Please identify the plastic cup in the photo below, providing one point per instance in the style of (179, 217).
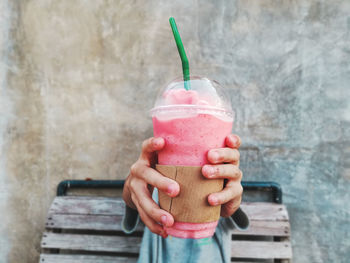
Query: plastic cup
(191, 122)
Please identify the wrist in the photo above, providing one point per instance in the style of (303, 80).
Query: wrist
(127, 195)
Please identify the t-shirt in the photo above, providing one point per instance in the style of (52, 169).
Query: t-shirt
(157, 249)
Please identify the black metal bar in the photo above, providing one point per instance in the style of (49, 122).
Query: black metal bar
(274, 187)
(63, 186)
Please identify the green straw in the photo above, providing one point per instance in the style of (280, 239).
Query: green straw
(182, 53)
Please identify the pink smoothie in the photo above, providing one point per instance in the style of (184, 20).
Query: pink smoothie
(188, 138)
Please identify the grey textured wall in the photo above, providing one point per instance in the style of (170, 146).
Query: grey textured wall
(77, 79)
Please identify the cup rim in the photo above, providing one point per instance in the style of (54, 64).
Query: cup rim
(204, 109)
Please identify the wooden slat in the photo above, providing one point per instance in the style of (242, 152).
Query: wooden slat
(87, 205)
(261, 249)
(265, 228)
(113, 208)
(59, 258)
(265, 211)
(98, 243)
(86, 222)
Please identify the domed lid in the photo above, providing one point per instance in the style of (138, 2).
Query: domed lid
(201, 96)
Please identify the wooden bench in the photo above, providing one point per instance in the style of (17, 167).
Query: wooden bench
(87, 229)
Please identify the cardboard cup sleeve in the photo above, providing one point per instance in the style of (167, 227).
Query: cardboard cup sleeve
(191, 205)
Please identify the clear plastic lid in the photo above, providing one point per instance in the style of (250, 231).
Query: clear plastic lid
(203, 96)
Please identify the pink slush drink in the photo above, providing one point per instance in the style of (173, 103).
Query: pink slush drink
(191, 124)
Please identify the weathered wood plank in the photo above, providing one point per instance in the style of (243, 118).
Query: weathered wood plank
(265, 211)
(87, 205)
(86, 222)
(76, 207)
(261, 249)
(265, 228)
(98, 243)
(59, 258)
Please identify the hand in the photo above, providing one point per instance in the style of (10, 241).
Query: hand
(138, 188)
(225, 164)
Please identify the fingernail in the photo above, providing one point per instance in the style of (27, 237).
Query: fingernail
(214, 200)
(171, 189)
(157, 141)
(214, 156)
(234, 140)
(163, 219)
(210, 171)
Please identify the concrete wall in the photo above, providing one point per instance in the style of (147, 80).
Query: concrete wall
(78, 77)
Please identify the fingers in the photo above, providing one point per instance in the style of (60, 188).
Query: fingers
(223, 155)
(226, 171)
(153, 178)
(229, 154)
(140, 184)
(230, 207)
(232, 190)
(150, 223)
(150, 213)
(153, 210)
(150, 146)
(233, 141)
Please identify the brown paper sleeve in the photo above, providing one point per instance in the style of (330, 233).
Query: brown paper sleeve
(191, 205)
